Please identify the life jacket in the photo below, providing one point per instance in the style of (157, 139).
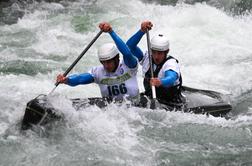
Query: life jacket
(165, 95)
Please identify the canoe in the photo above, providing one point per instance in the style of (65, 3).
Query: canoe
(39, 111)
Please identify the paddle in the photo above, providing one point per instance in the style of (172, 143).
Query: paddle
(153, 101)
(77, 60)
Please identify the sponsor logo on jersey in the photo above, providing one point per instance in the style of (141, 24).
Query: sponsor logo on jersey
(116, 80)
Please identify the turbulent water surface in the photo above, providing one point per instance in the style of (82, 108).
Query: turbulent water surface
(39, 39)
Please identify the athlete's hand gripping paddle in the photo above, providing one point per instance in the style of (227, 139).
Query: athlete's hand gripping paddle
(77, 60)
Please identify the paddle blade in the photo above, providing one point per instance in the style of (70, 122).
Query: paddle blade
(38, 111)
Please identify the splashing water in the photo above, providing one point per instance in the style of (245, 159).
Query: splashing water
(213, 48)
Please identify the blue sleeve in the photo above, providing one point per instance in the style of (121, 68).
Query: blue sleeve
(84, 78)
(128, 57)
(132, 44)
(170, 78)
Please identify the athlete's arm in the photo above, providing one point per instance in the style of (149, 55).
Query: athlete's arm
(85, 78)
(134, 40)
(132, 44)
(169, 78)
(128, 57)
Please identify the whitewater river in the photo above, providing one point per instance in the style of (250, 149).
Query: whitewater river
(214, 48)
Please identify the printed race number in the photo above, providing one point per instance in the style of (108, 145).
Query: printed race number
(117, 89)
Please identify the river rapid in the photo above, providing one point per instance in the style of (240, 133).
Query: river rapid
(40, 39)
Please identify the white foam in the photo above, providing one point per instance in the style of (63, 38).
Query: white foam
(214, 50)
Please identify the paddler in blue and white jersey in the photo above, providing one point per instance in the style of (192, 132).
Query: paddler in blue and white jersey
(167, 76)
(116, 79)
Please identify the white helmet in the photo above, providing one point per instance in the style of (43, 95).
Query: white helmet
(107, 51)
(160, 43)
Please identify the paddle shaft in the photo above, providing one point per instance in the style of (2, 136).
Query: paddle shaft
(79, 57)
(151, 64)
